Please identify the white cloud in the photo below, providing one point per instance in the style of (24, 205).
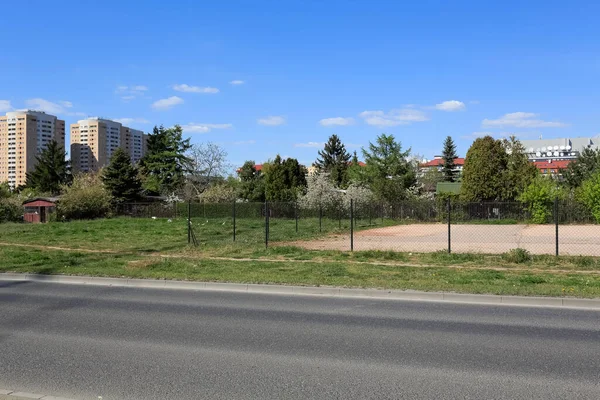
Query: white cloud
(204, 128)
(404, 116)
(45, 105)
(237, 82)
(194, 89)
(521, 120)
(5, 105)
(310, 144)
(499, 135)
(339, 121)
(131, 92)
(126, 121)
(451, 105)
(66, 104)
(271, 120)
(244, 142)
(77, 114)
(165, 104)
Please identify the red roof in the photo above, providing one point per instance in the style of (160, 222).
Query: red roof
(555, 164)
(438, 162)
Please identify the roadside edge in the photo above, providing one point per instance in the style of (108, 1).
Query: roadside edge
(565, 302)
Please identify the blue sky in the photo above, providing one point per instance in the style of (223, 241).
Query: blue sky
(268, 77)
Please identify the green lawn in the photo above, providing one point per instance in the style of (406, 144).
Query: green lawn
(147, 248)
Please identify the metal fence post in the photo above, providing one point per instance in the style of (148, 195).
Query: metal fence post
(320, 217)
(189, 224)
(351, 225)
(296, 215)
(234, 220)
(556, 223)
(266, 224)
(449, 207)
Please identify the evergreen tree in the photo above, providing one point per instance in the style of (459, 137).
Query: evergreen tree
(520, 172)
(165, 163)
(284, 179)
(387, 170)
(333, 159)
(449, 155)
(582, 168)
(483, 177)
(121, 178)
(252, 187)
(52, 170)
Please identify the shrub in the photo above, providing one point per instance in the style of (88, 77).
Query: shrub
(86, 198)
(589, 195)
(539, 197)
(321, 192)
(11, 210)
(219, 193)
(517, 256)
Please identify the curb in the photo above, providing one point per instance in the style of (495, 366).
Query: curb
(14, 395)
(566, 302)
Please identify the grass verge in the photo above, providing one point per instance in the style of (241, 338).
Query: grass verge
(293, 272)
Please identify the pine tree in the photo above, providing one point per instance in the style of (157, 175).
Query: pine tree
(388, 170)
(120, 178)
(333, 159)
(52, 170)
(165, 164)
(449, 155)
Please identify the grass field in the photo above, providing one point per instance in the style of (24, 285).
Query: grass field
(147, 248)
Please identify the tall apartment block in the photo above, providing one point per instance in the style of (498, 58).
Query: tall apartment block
(94, 140)
(23, 135)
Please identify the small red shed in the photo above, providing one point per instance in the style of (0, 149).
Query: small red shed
(37, 210)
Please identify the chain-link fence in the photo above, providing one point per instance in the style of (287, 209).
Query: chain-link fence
(559, 227)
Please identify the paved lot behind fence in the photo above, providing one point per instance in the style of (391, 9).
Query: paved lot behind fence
(492, 239)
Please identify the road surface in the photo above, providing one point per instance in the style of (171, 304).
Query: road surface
(121, 343)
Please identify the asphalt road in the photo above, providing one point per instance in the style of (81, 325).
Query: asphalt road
(121, 343)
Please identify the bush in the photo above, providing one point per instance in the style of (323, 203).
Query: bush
(517, 256)
(539, 197)
(321, 192)
(11, 210)
(589, 195)
(86, 198)
(219, 193)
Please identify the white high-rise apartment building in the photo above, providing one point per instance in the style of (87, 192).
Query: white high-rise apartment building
(23, 135)
(94, 140)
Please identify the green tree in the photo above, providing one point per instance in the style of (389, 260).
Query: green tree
(583, 167)
(284, 179)
(539, 196)
(333, 160)
(520, 172)
(165, 164)
(589, 195)
(86, 198)
(388, 171)
(5, 190)
(449, 155)
(121, 178)
(52, 170)
(252, 183)
(356, 172)
(483, 173)
(430, 178)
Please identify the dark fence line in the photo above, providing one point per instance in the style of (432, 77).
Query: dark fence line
(401, 223)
